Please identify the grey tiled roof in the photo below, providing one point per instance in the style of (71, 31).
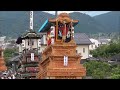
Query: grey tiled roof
(81, 38)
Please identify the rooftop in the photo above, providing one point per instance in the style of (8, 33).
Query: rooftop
(82, 38)
(31, 34)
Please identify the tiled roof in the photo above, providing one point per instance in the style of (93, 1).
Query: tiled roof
(81, 38)
(31, 34)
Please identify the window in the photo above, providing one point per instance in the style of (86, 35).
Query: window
(83, 50)
(28, 43)
(32, 42)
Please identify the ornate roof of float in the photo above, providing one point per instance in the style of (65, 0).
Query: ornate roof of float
(62, 18)
(31, 34)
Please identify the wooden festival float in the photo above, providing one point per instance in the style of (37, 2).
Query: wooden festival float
(29, 47)
(60, 59)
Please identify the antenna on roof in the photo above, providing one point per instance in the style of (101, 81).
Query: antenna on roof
(31, 20)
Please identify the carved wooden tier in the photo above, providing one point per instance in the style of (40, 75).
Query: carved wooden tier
(52, 64)
(2, 65)
(2, 62)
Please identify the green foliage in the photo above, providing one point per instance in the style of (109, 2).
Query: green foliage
(98, 74)
(97, 70)
(101, 70)
(8, 53)
(114, 76)
(115, 72)
(106, 50)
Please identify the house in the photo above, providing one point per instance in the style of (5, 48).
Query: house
(104, 41)
(29, 40)
(94, 44)
(82, 41)
(43, 42)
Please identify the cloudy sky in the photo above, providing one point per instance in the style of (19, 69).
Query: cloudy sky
(91, 13)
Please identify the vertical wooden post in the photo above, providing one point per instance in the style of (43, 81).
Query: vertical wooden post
(71, 30)
(64, 33)
(56, 29)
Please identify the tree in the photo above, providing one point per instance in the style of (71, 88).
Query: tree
(106, 51)
(98, 70)
(115, 72)
(115, 76)
(8, 53)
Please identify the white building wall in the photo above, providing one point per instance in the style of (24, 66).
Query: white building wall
(20, 48)
(80, 50)
(44, 39)
(94, 45)
(24, 45)
(39, 45)
(33, 46)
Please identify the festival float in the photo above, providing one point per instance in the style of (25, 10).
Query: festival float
(59, 59)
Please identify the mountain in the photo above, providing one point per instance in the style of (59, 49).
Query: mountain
(15, 23)
(87, 24)
(110, 20)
